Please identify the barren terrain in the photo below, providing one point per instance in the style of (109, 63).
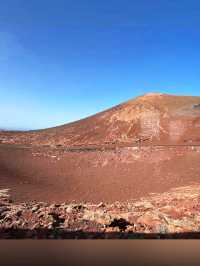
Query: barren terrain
(150, 144)
(56, 175)
(152, 118)
(173, 214)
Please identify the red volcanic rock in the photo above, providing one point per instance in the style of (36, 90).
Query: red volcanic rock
(150, 216)
(149, 219)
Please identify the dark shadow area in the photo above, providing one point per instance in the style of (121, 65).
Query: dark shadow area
(121, 223)
(196, 106)
(63, 234)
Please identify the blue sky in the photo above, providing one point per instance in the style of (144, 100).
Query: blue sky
(64, 60)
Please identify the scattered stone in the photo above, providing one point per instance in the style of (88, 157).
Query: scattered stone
(3, 209)
(35, 208)
(176, 211)
(101, 205)
(69, 209)
(19, 213)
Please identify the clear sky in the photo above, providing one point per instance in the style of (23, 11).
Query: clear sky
(67, 59)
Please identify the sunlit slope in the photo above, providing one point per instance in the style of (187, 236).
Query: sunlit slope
(152, 118)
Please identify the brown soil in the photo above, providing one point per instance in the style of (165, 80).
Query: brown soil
(55, 175)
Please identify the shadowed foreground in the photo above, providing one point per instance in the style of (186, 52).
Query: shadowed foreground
(60, 234)
(173, 214)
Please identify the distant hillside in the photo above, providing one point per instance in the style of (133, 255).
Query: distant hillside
(152, 118)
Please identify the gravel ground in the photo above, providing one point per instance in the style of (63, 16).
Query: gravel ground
(173, 214)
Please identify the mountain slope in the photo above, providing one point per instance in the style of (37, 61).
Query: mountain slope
(151, 118)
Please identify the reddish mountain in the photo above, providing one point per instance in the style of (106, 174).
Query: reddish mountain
(152, 118)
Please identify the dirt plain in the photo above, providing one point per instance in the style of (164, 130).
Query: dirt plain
(56, 175)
